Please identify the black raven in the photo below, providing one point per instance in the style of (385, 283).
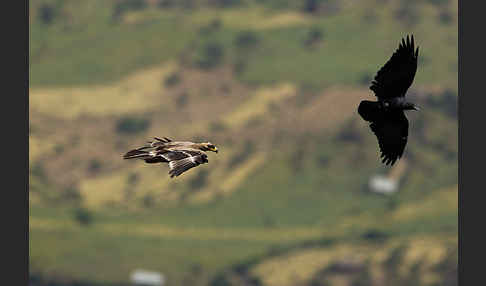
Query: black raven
(386, 116)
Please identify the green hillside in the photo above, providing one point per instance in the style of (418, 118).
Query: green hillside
(275, 85)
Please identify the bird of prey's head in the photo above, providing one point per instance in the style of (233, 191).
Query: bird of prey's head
(209, 147)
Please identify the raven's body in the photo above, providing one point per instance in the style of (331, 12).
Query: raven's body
(386, 116)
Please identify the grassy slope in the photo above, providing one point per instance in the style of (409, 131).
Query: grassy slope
(268, 202)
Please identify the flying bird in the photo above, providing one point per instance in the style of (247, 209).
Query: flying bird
(180, 155)
(386, 116)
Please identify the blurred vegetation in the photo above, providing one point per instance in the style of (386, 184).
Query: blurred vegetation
(132, 125)
(275, 85)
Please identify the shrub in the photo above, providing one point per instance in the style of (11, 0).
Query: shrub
(148, 201)
(365, 78)
(239, 66)
(200, 180)
(246, 40)
(173, 79)
(445, 17)
(217, 126)
(58, 149)
(446, 102)
(375, 235)
(166, 3)
(210, 56)
(121, 7)
(407, 14)
(182, 100)
(71, 194)
(38, 170)
(314, 36)
(242, 155)
(225, 3)
(213, 26)
(83, 216)
(47, 13)
(132, 179)
(311, 6)
(94, 165)
(132, 125)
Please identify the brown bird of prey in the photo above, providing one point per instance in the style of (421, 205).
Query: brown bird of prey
(386, 116)
(181, 156)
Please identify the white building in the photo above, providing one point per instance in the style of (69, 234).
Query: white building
(382, 185)
(147, 278)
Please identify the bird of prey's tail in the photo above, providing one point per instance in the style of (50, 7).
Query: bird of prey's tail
(141, 153)
(137, 154)
(148, 157)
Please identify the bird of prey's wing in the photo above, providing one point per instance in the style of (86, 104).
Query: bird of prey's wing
(178, 167)
(179, 160)
(392, 133)
(396, 76)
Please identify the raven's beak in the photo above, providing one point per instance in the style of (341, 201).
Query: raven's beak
(415, 107)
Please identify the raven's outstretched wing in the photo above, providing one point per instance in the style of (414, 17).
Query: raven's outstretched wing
(396, 76)
(392, 133)
(180, 166)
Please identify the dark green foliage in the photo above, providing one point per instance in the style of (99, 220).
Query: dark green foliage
(366, 78)
(395, 258)
(58, 149)
(375, 235)
(71, 194)
(210, 56)
(323, 160)
(173, 79)
(448, 268)
(225, 3)
(132, 125)
(124, 6)
(166, 3)
(445, 17)
(311, 6)
(212, 27)
(200, 180)
(363, 278)
(217, 126)
(313, 37)
(239, 66)
(47, 13)
(407, 13)
(351, 132)
(133, 179)
(182, 99)
(38, 170)
(220, 280)
(148, 201)
(446, 102)
(243, 154)
(246, 40)
(94, 166)
(83, 216)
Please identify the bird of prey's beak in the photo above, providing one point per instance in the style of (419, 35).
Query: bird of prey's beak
(216, 149)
